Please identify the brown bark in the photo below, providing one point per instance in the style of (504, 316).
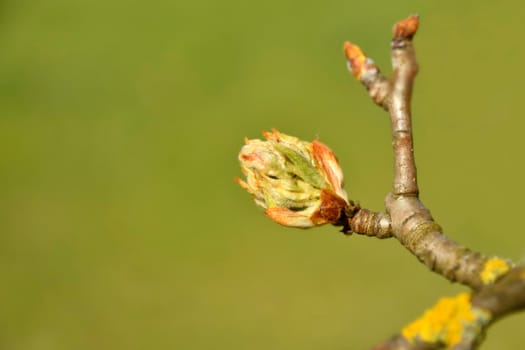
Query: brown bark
(408, 220)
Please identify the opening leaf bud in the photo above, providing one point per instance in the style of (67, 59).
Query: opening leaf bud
(298, 183)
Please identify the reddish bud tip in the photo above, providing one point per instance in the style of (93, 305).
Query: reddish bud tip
(356, 59)
(406, 28)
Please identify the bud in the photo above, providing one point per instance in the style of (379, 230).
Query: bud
(300, 184)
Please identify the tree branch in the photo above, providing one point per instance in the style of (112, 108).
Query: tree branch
(460, 323)
(300, 184)
(411, 221)
(405, 70)
(498, 287)
(369, 223)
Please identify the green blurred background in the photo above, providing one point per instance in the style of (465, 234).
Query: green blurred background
(121, 226)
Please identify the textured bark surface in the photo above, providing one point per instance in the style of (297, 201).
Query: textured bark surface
(498, 288)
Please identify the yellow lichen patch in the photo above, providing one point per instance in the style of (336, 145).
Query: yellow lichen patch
(493, 268)
(445, 322)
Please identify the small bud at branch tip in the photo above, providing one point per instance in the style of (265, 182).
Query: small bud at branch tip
(358, 63)
(406, 28)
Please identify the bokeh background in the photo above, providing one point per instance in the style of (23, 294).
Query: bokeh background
(121, 226)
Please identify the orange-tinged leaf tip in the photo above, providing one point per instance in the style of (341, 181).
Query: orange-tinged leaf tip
(329, 163)
(287, 217)
(242, 183)
(271, 135)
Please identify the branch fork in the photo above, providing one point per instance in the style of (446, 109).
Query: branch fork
(498, 287)
(300, 184)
